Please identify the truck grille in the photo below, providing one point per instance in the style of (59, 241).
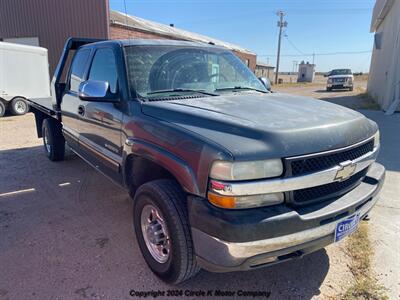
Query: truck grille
(339, 80)
(321, 162)
(326, 191)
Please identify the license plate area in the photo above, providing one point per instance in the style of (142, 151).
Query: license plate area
(346, 227)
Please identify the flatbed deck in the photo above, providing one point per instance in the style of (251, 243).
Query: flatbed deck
(44, 105)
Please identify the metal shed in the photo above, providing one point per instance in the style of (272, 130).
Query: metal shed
(384, 75)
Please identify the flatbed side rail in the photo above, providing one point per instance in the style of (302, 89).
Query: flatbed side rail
(46, 110)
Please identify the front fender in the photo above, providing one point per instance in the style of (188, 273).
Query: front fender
(183, 173)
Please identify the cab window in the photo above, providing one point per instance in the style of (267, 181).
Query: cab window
(104, 68)
(78, 69)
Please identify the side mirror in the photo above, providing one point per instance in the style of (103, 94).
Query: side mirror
(96, 91)
(265, 81)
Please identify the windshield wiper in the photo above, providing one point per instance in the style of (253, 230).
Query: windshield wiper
(238, 88)
(182, 90)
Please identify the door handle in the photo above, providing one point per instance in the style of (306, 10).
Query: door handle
(81, 110)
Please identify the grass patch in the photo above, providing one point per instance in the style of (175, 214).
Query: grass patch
(365, 285)
(368, 102)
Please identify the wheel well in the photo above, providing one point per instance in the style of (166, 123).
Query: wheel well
(139, 170)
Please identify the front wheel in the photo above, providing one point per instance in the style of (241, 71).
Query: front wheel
(162, 230)
(19, 106)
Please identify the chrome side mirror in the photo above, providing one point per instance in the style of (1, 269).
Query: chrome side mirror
(265, 81)
(96, 91)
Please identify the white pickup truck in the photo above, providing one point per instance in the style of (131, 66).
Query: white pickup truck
(340, 79)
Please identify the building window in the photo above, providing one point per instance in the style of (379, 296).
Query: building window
(378, 40)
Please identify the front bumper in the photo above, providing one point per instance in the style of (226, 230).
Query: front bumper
(227, 241)
(342, 85)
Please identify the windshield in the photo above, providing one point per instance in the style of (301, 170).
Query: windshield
(166, 70)
(340, 72)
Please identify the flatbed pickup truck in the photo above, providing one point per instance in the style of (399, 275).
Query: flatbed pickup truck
(224, 175)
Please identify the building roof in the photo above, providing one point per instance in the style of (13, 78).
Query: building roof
(381, 9)
(133, 22)
(265, 65)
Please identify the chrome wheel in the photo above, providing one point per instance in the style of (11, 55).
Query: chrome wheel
(20, 106)
(46, 141)
(155, 233)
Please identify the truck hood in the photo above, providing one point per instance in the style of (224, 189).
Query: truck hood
(259, 126)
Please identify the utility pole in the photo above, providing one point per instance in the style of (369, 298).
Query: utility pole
(313, 58)
(281, 25)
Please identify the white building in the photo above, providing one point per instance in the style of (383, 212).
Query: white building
(306, 72)
(384, 75)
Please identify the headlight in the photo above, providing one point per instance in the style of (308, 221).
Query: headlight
(247, 170)
(330, 80)
(242, 202)
(377, 139)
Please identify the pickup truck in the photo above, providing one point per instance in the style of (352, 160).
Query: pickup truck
(340, 79)
(224, 175)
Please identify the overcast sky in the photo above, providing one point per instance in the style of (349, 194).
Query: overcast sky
(337, 31)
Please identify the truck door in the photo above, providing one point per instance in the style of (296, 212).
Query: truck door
(70, 100)
(100, 129)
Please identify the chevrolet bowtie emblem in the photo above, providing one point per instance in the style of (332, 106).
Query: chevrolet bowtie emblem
(347, 169)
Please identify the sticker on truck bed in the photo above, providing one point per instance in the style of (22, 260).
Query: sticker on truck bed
(346, 227)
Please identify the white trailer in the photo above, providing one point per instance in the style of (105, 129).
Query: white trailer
(24, 74)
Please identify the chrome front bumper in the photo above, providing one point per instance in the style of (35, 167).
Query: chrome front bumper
(221, 256)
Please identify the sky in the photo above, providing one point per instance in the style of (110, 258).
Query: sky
(337, 31)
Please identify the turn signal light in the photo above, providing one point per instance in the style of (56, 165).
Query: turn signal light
(222, 201)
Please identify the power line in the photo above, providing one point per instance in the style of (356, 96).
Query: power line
(293, 45)
(318, 54)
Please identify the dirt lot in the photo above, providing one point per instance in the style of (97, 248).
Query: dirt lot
(66, 233)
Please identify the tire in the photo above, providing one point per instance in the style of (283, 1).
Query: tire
(351, 89)
(172, 231)
(19, 106)
(53, 140)
(328, 89)
(2, 108)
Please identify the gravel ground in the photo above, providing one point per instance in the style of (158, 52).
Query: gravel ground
(66, 233)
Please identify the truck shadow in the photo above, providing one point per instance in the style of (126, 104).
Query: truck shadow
(70, 205)
(297, 279)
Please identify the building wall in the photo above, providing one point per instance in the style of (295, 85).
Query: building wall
(53, 21)
(252, 59)
(384, 75)
(120, 32)
(262, 71)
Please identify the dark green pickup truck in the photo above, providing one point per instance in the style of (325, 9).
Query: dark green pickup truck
(224, 175)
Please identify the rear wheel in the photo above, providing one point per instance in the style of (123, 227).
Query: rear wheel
(2, 108)
(53, 140)
(163, 232)
(19, 106)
